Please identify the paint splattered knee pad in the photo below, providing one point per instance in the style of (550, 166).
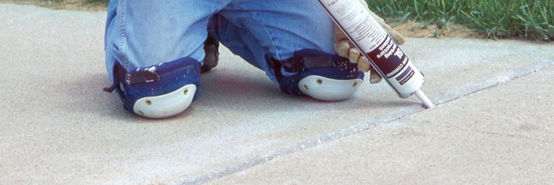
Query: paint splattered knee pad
(317, 74)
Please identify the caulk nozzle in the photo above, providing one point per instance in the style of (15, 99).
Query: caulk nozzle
(419, 93)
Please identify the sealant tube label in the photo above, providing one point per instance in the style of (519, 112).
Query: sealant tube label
(376, 44)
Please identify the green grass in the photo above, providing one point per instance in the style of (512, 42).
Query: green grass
(533, 19)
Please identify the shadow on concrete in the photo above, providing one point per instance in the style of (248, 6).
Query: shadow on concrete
(221, 91)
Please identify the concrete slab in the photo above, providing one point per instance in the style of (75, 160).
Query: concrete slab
(58, 127)
(501, 135)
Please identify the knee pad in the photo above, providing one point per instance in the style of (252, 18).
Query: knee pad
(158, 91)
(317, 74)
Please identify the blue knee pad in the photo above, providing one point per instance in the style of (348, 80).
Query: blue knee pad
(148, 84)
(320, 75)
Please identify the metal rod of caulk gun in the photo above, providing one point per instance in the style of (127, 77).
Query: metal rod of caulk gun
(384, 55)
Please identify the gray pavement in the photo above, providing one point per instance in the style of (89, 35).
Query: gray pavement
(493, 123)
(483, 138)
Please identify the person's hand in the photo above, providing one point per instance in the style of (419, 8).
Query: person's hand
(345, 48)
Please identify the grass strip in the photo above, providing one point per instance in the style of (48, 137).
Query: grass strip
(532, 19)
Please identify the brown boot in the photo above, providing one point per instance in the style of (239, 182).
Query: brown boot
(211, 48)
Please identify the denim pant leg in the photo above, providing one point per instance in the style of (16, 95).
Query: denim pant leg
(143, 33)
(253, 28)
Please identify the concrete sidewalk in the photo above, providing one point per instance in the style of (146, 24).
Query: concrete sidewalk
(493, 124)
(483, 138)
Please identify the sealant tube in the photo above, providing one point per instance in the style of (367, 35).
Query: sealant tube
(386, 57)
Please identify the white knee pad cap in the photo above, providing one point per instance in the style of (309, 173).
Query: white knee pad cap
(166, 105)
(328, 89)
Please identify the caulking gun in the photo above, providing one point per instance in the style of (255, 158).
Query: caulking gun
(371, 39)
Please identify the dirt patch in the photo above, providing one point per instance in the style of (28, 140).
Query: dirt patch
(62, 4)
(433, 31)
(406, 29)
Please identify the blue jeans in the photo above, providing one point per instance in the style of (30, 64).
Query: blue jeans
(143, 33)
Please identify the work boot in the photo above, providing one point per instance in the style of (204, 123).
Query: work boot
(211, 48)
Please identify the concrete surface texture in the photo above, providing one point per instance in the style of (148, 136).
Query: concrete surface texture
(493, 124)
(483, 138)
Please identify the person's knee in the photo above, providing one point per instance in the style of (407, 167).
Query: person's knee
(157, 91)
(320, 75)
